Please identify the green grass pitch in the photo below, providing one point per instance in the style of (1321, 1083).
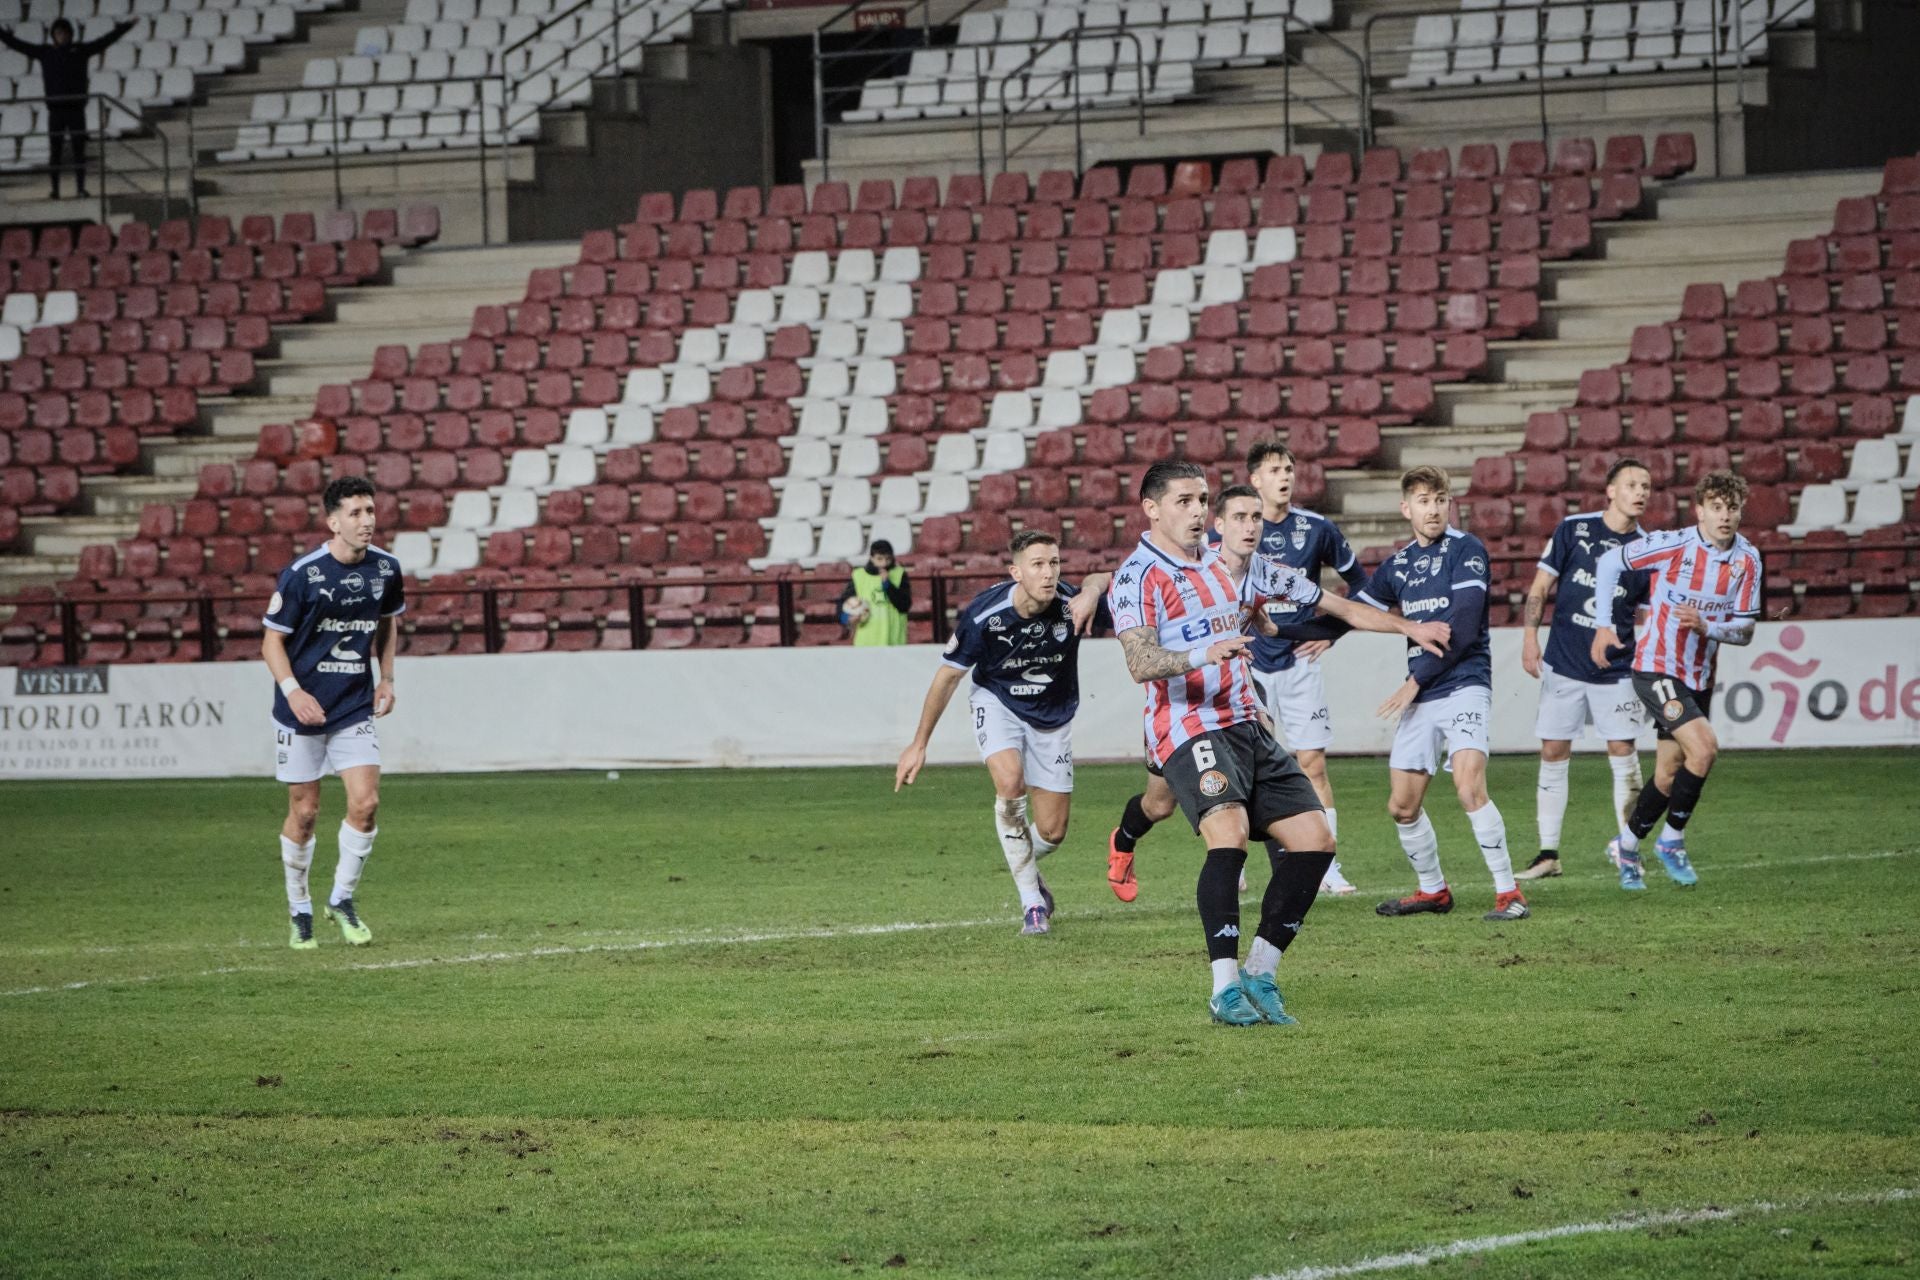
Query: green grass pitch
(780, 1024)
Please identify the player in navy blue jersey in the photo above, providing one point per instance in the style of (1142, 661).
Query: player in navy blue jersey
(1293, 689)
(1021, 641)
(1444, 706)
(330, 620)
(1574, 692)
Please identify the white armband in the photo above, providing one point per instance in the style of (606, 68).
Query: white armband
(289, 686)
(1197, 658)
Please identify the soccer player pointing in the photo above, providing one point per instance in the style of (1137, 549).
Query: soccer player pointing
(330, 618)
(1705, 592)
(1181, 620)
(1021, 640)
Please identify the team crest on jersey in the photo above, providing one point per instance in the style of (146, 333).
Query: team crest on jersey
(1212, 783)
(379, 586)
(273, 605)
(1060, 632)
(1671, 708)
(1299, 537)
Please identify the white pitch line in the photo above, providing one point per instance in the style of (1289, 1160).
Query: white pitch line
(1629, 1222)
(738, 939)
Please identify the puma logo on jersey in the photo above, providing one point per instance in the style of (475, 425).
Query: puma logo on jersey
(326, 591)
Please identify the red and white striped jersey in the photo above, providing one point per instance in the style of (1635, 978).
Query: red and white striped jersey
(1191, 606)
(1689, 570)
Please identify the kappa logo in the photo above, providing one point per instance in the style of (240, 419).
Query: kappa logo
(1228, 931)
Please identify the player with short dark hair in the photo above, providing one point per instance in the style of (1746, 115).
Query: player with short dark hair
(1021, 640)
(1182, 622)
(1444, 707)
(1574, 691)
(1287, 672)
(1706, 589)
(331, 618)
(1236, 525)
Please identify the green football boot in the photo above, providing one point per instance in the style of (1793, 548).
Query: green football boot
(300, 934)
(1265, 994)
(356, 934)
(1234, 1009)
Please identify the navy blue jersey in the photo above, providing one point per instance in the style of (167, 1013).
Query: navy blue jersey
(329, 613)
(1446, 582)
(1572, 555)
(1311, 543)
(1031, 664)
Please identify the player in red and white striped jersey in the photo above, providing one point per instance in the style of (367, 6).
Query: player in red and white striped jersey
(1705, 592)
(1182, 623)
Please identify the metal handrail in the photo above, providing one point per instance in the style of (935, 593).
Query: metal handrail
(862, 50)
(789, 611)
(1066, 76)
(1360, 92)
(1728, 32)
(108, 103)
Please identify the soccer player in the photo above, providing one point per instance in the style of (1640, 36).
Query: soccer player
(1021, 640)
(1574, 690)
(1444, 705)
(1182, 620)
(1236, 525)
(331, 617)
(1705, 592)
(1288, 674)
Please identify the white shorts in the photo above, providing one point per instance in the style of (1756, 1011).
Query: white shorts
(1046, 755)
(1296, 701)
(1430, 732)
(1568, 706)
(306, 757)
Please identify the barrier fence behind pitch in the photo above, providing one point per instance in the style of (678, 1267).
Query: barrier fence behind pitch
(1847, 683)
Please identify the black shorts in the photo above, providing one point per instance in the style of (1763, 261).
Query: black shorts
(1671, 703)
(1241, 764)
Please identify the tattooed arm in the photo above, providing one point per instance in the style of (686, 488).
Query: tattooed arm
(1536, 609)
(1147, 661)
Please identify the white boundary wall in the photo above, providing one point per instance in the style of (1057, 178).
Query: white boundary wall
(1851, 683)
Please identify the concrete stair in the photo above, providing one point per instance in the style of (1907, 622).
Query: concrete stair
(430, 297)
(1712, 229)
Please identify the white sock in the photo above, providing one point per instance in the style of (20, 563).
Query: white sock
(1041, 846)
(295, 859)
(1333, 876)
(1333, 822)
(1423, 851)
(1225, 974)
(1629, 843)
(1490, 829)
(1626, 785)
(1550, 800)
(1668, 834)
(355, 847)
(1263, 958)
(1010, 820)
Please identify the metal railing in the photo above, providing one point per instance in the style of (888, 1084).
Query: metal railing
(788, 611)
(134, 170)
(865, 49)
(992, 93)
(1735, 42)
(499, 110)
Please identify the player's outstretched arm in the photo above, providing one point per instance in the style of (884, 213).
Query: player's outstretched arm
(305, 707)
(1431, 636)
(1535, 610)
(1147, 661)
(1085, 605)
(939, 693)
